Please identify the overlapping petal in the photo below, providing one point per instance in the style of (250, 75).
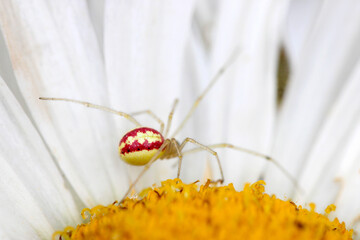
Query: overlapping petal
(244, 110)
(35, 199)
(54, 52)
(321, 108)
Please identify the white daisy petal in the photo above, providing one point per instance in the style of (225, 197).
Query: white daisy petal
(3, 236)
(300, 23)
(96, 11)
(327, 62)
(348, 172)
(144, 46)
(21, 216)
(244, 113)
(6, 71)
(35, 200)
(318, 175)
(347, 202)
(55, 53)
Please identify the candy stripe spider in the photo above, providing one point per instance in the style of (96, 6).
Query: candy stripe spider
(142, 146)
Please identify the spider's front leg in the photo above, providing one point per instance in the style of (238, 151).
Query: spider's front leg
(205, 148)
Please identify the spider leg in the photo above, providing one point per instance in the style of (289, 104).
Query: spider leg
(146, 167)
(266, 157)
(227, 145)
(179, 154)
(206, 148)
(92, 105)
(170, 117)
(221, 71)
(153, 115)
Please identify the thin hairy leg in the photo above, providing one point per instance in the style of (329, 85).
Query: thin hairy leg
(179, 154)
(92, 105)
(206, 148)
(212, 82)
(170, 117)
(153, 115)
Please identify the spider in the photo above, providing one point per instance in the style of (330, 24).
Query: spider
(142, 146)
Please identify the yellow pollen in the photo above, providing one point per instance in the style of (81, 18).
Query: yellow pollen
(185, 211)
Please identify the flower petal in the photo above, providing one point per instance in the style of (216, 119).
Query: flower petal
(96, 11)
(349, 178)
(309, 128)
(6, 71)
(54, 52)
(319, 172)
(35, 200)
(244, 111)
(300, 22)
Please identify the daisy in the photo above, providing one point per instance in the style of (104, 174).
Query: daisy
(59, 158)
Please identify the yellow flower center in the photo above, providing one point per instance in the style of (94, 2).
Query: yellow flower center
(184, 211)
